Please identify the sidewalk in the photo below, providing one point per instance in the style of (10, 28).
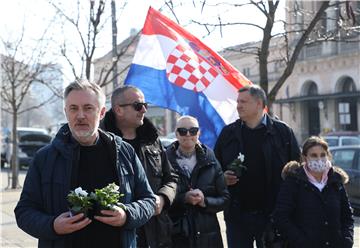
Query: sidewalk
(11, 236)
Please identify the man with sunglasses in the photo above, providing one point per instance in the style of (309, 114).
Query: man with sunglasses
(265, 145)
(127, 119)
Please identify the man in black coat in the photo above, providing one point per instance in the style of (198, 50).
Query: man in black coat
(126, 119)
(264, 145)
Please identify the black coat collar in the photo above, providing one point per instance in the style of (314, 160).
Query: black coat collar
(147, 133)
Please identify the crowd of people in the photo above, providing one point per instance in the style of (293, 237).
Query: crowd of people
(272, 192)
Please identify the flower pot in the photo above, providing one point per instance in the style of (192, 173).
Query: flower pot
(238, 170)
(74, 212)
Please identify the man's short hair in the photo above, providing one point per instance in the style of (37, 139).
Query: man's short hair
(118, 94)
(86, 85)
(255, 91)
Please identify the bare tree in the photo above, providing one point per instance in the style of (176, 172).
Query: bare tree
(89, 22)
(19, 72)
(307, 33)
(106, 73)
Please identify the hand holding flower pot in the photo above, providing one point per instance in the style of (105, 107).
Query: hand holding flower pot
(79, 202)
(237, 165)
(107, 198)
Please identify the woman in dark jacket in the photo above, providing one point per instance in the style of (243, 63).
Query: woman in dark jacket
(201, 190)
(312, 208)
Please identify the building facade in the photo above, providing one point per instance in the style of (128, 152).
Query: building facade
(323, 92)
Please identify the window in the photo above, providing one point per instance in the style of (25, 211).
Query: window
(343, 158)
(246, 71)
(332, 141)
(347, 141)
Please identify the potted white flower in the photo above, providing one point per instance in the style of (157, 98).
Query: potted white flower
(107, 198)
(79, 201)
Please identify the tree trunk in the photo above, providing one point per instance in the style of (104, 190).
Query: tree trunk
(88, 68)
(114, 43)
(263, 53)
(14, 154)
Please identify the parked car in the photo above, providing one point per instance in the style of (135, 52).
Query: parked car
(166, 141)
(29, 141)
(5, 132)
(348, 158)
(344, 138)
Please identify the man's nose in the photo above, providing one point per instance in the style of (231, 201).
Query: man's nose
(80, 114)
(143, 109)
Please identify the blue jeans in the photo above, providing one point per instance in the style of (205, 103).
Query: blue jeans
(242, 228)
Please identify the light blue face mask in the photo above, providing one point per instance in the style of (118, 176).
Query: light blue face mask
(319, 165)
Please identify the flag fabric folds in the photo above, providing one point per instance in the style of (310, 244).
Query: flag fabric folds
(177, 71)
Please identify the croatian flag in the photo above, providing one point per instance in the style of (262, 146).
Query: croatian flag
(175, 70)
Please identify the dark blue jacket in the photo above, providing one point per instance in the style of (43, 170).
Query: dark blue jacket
(311, 218)
(48, 182)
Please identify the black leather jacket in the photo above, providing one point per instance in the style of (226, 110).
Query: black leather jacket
(160, 174)
(280, 146)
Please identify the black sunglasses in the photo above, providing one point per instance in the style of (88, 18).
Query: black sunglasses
(136, 105)
(183, 131)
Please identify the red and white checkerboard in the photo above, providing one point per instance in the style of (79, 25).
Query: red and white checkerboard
(188, 70)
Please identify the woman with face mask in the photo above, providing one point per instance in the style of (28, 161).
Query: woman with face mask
(312, 207)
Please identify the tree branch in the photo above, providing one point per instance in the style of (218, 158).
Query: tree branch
(287, 72)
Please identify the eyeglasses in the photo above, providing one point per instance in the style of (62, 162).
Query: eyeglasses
(138, 106)
(183, 131)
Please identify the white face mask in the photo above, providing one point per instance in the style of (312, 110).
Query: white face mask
(319, 165)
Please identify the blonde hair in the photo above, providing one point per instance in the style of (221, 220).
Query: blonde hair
(187, 117)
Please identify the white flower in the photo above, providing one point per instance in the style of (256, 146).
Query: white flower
(116, 188)
(241, 157)
(80, 192)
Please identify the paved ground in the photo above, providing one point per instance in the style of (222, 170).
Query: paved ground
(12, 236)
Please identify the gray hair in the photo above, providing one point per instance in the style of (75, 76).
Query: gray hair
(118, 94)
(255, 91)
(86, 85)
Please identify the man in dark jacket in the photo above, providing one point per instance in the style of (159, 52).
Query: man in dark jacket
(81, 155)
(264, 145)
(126, 119)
